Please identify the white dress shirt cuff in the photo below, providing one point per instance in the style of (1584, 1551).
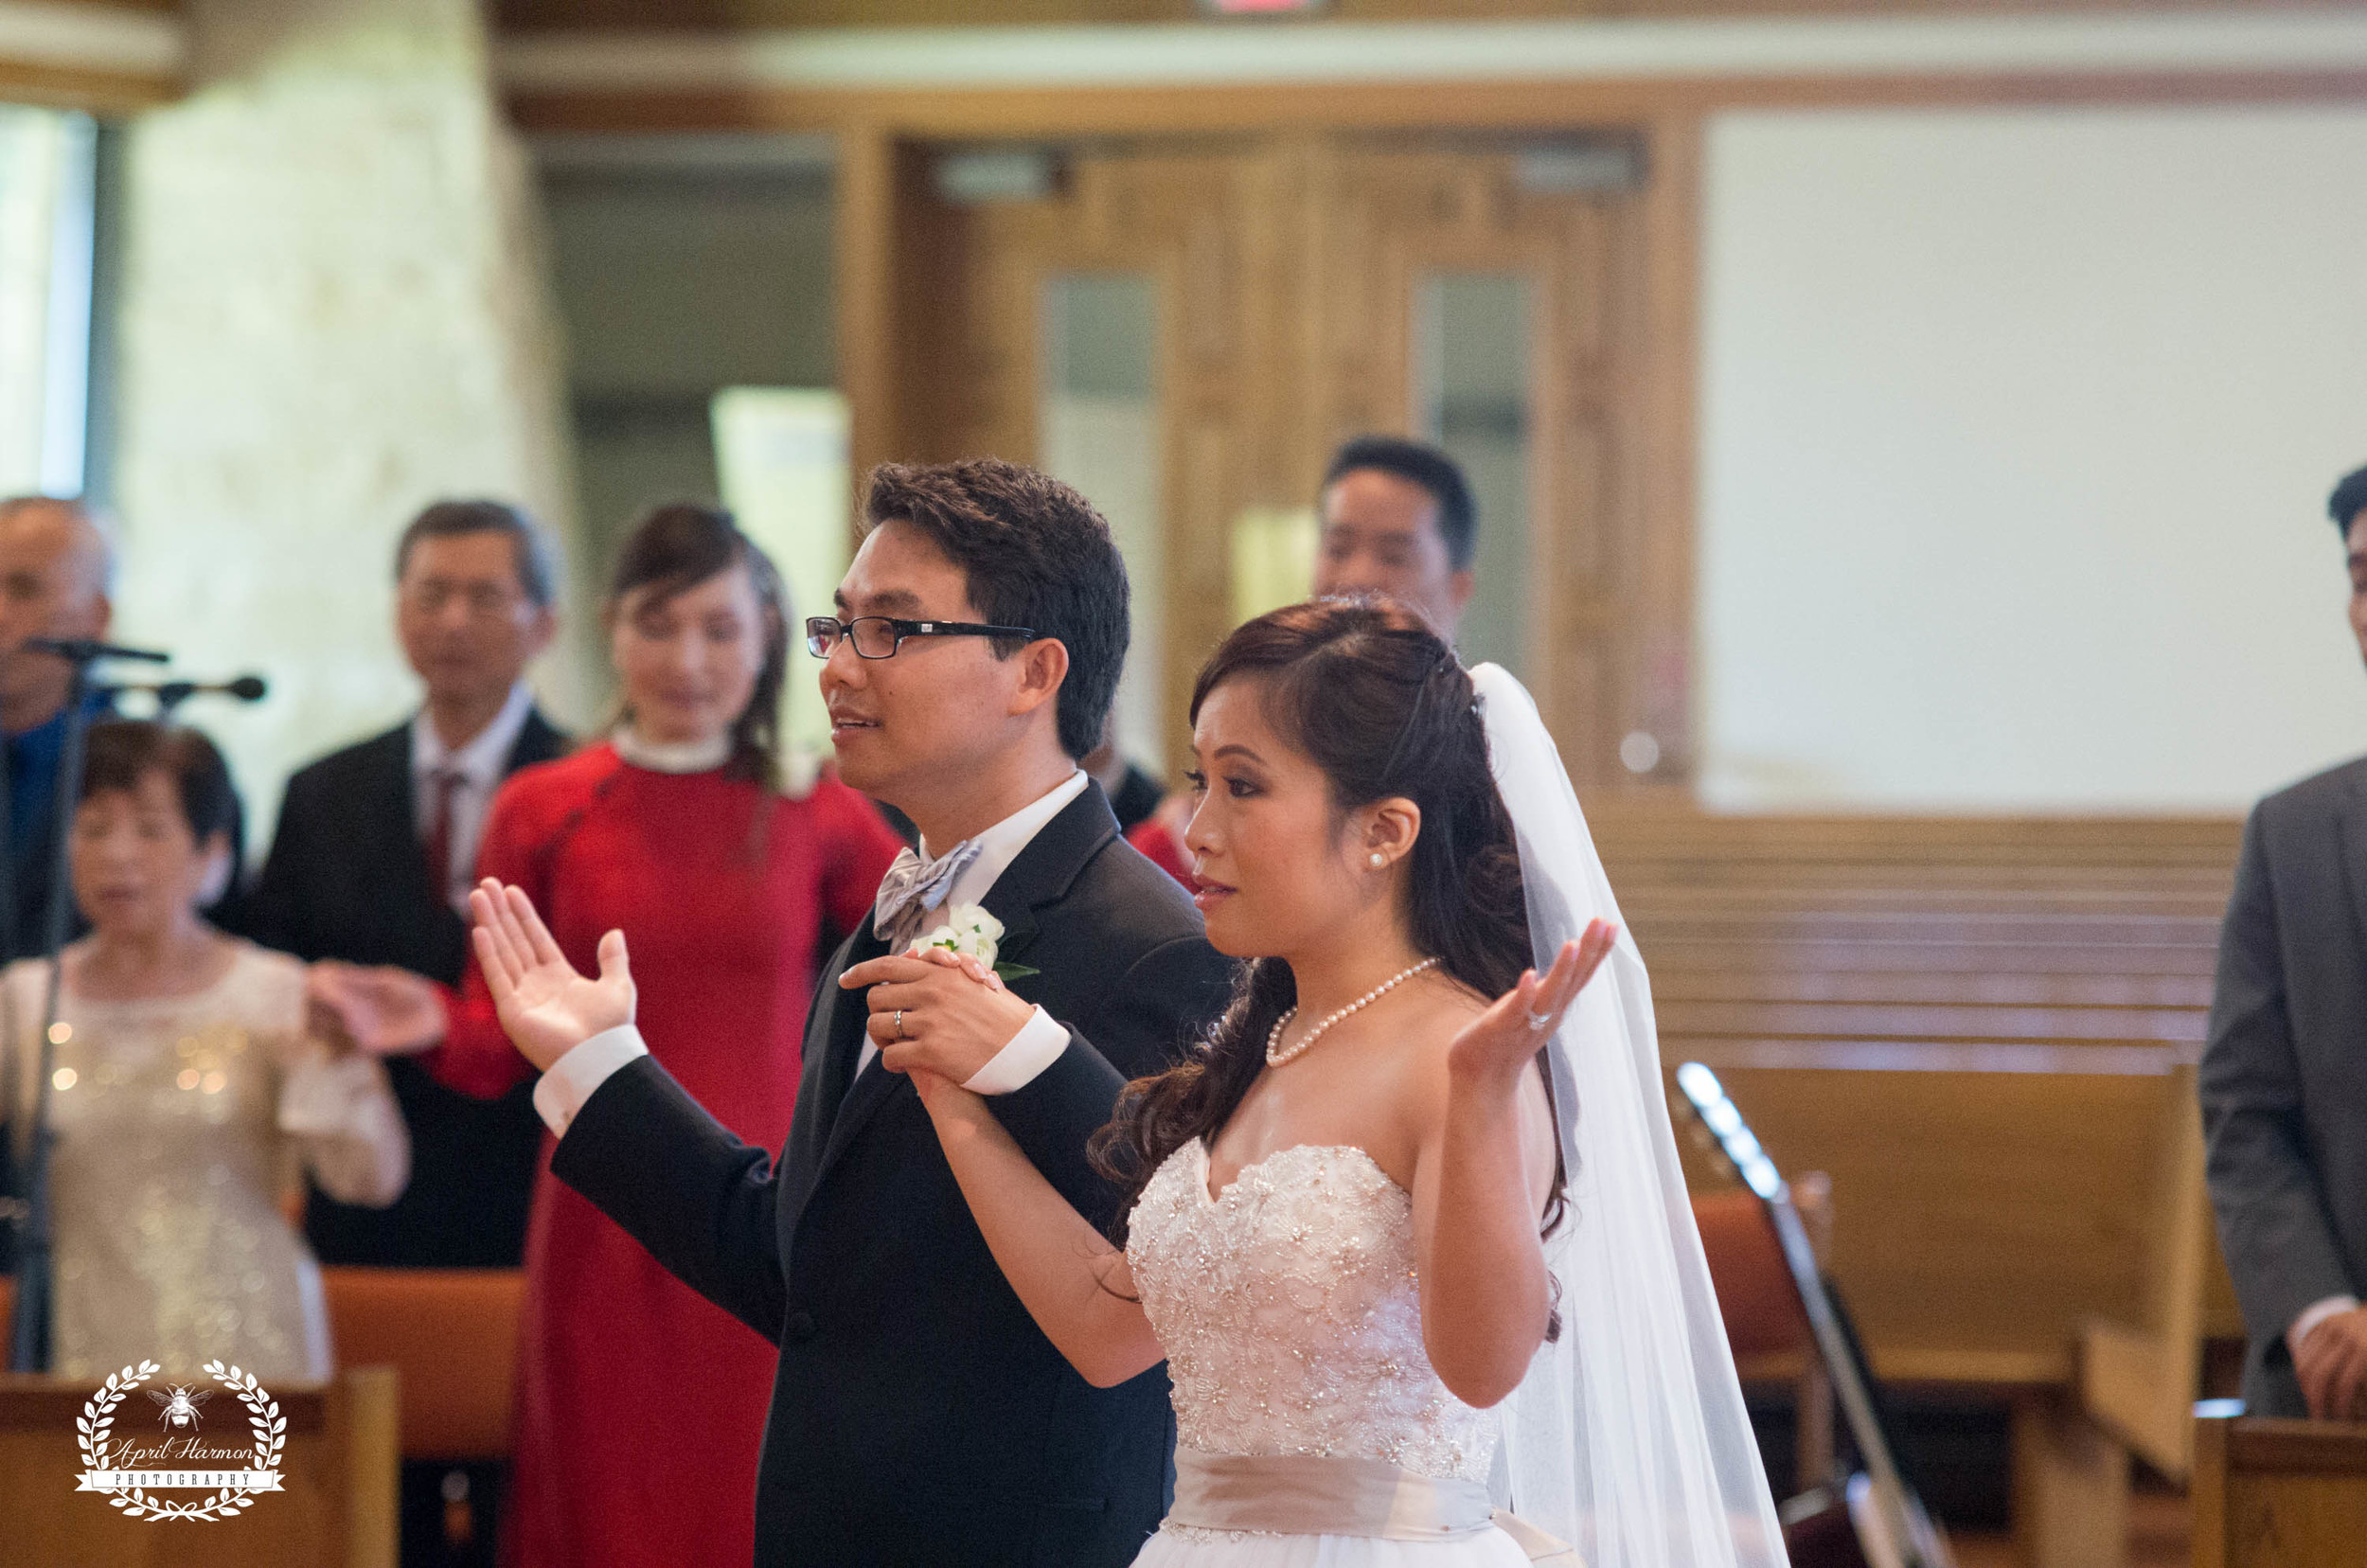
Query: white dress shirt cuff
(573, 1077)
(2314, 1314)
(1023, 1058)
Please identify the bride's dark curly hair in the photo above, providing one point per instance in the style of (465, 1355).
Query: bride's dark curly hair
(1377, 699)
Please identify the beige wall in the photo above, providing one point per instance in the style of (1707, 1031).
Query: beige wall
(2018, 428)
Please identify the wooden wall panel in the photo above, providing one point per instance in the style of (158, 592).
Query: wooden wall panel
(70, 87)
(1286, 267)
(1593, 103)
(105, 56)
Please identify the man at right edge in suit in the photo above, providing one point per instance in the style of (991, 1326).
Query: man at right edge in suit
(2284, 1075)
(918, 1417)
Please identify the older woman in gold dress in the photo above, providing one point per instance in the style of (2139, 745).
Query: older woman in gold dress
(186, 1090)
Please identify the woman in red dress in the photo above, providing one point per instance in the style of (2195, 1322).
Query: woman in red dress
(640, 1404)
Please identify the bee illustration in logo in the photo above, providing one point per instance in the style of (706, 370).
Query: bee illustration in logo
(180, 1406)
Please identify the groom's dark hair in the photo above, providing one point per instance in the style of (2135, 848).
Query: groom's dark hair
(1036, 554)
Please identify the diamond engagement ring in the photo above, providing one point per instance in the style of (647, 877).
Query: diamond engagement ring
(900, 1022)
(1539, 1022)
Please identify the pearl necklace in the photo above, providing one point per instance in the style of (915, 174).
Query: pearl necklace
(1276, 1058)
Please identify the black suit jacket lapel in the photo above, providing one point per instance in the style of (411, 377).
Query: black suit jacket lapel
(842, 1110)
(1043, 871)
(1040, 875)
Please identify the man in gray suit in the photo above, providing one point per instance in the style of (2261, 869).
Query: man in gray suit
(2283, 1077)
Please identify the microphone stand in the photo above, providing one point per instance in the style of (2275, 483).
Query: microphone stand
(29, 1328)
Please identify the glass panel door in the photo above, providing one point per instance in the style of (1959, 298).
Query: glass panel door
(1097, 411)
(1472, 396)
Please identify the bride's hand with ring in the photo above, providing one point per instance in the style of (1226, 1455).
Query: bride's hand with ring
(1495, 1047)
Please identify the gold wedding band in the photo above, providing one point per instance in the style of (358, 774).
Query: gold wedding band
(900, 1022)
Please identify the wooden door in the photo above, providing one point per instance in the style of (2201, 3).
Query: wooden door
(1290, 276)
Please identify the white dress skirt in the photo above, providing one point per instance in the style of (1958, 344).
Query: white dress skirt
(1291, 1314)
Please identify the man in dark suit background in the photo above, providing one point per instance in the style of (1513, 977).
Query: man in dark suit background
(2284, 1075)
(919, 1415)
(1399, 519)
(371, 864)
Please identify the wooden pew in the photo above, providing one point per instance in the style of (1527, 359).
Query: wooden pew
(446, 1338)
(2279, 1495)
(452, 1335)
(2139, 1371)
(1985, 1032)
(337, 1508)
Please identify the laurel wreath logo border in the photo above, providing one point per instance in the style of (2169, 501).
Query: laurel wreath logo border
(96, 1423)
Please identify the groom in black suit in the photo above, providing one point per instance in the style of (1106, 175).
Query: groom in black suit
(919, 1415)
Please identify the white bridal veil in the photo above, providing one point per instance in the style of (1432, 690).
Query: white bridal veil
(1629, 1437)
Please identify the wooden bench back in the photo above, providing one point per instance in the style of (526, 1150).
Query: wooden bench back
(2279, 1495)
(336, 1506)
(452, 1333)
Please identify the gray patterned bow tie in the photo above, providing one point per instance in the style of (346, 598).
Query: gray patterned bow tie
(912, 888)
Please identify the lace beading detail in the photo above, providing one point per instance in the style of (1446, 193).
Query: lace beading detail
(1291, 1316)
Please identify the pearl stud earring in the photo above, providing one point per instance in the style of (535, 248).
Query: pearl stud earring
(1378, 859)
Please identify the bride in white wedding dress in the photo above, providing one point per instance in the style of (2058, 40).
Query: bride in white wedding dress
(1356, 1217)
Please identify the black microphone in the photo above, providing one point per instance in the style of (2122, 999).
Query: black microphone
(86, 650)
(246, 689)
(172, 694)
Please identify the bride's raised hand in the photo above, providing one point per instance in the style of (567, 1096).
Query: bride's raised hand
(546, 1008)
(1503, 1040)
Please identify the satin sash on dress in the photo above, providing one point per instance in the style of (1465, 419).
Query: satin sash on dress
(1316, 1494)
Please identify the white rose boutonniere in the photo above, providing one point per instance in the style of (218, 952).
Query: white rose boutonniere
(969, 931)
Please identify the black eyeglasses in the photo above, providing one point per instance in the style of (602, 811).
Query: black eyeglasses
(879, 636)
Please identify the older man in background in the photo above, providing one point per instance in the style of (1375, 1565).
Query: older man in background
(2284, 1074)
(374, 854)
(371, 864)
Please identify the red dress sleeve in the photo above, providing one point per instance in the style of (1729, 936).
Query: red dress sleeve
(856, 847)
(476, 1057)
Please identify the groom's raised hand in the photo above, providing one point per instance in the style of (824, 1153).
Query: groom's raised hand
(546, 1008)
(937, 1011)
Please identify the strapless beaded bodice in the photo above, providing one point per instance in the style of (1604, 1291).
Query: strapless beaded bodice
(1290, 1312)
